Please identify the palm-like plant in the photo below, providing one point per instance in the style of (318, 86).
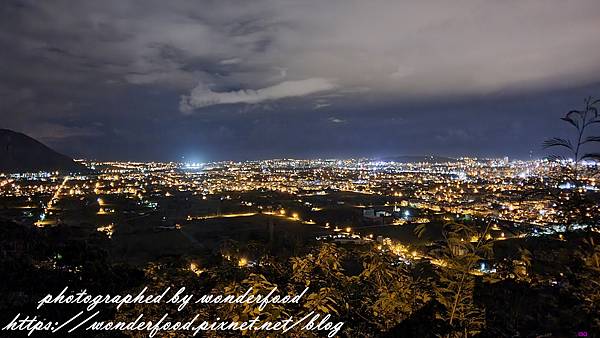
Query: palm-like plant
(582, 121)
(572, 204)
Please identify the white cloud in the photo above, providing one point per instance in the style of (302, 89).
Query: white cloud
(336, 120)
(233, 61)
(202, 96)
(320, 105)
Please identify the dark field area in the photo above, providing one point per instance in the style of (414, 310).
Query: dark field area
(186, 224)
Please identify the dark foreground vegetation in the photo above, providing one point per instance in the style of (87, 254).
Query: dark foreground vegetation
(549, 287)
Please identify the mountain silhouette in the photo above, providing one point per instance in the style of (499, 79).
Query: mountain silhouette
(21, 153)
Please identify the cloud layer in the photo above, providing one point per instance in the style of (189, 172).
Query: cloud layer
(201, 96)
(400, 49)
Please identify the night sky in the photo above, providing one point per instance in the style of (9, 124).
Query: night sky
(213, 80)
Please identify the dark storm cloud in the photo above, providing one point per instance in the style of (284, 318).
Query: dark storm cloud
(78, 71)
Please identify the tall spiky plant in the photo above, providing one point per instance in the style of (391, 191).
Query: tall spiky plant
(573, 204)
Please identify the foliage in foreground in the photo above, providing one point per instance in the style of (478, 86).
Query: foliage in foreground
(367, 288)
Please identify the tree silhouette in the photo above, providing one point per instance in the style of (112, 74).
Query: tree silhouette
(464, 246)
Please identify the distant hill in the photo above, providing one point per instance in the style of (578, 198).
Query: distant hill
(415, 159)
(21, 153)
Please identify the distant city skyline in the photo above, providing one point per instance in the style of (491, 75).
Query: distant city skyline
(235, 80)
